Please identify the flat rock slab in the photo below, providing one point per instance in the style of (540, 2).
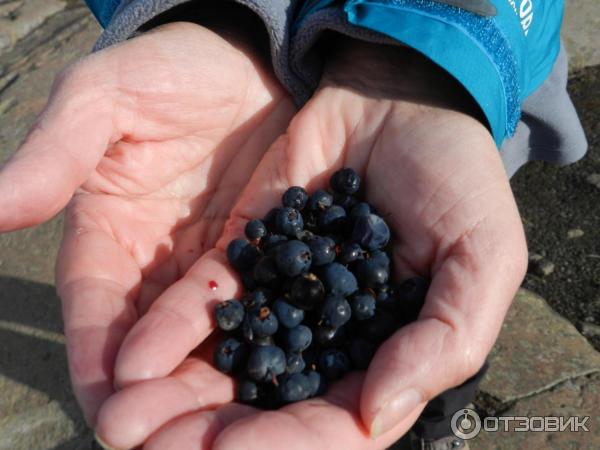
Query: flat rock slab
(536, 349)
(37, 407)
(19, 18)
(579, 397)
(580, 25)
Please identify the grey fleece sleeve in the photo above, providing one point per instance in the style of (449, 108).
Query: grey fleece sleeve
(549, 128)
(277, 15)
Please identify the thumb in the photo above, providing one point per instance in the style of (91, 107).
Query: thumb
(62, 148)
(465, 306)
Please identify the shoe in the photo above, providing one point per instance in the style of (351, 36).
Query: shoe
(445, 443)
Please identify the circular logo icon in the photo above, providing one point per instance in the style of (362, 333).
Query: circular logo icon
(465, 424)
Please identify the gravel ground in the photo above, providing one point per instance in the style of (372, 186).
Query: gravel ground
(554, 200)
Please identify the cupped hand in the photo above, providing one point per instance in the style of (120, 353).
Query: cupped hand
(432, 170)
(150, 142)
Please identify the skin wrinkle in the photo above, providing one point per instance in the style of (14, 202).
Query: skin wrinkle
(78, 218)
(164, 307)
(378, 144)
(443, 250)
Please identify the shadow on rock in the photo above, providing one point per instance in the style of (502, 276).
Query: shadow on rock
(31, 348)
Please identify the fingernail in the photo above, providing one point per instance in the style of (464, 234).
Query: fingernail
(394, 411)
(102, 444)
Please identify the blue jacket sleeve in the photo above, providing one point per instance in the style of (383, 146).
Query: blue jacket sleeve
(103, 9)
(500, 60)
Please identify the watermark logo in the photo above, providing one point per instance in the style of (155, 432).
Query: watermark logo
(466, 424)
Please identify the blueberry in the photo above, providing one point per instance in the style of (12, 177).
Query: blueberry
(371, 232)
(332, 218)
(255, 229)
(363, 306)
(256, 299)
(304, 235)
(322, 249)
(338, 280)
(230, 355)
(372, 272)
(361, 353)
(234, 252)
(295, 197)
(229, 314)
(242, 255)
(317, 383)
(378, 328)
(350, 252)
(289, 316)
(320, 200)
(271, 241)
(311, 357)
(386, 298)
(248, 392)
(345, 201)
(295, 363)
(262, 341)
(310, 219)
(345, 181)
(411, 298)
(262, 322)
(269, 219)
(294, 388)
(248, 280)
(297, 339)
(293, 258)
(307, 291)
(381, 257)
(265, 271)
(334, 364)
(289, 221)
(361, 209)
(335, 312)
(328, 337)
(265, 363)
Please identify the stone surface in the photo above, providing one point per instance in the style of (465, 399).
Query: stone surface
(20, 18)
(583, 45)
(37, 407)
(575, 233)
(539, 266)
(536, 349)
(579, 397)
(590, 330)
(594, 179)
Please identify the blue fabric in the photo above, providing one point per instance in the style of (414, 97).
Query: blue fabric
(310, 7)
(499, 60)
(103, 10)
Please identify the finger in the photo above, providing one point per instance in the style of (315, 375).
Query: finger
(177, 322)
(463, 312)
(132, 414)
(63, 147)
(197, 431)
(97, 281)
(302, 425)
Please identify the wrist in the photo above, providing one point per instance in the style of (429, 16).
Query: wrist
(394, 72)
(233, 22)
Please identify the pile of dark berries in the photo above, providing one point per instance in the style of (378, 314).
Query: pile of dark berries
(319, 299)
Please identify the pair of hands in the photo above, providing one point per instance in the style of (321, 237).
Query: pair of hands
(165, 145)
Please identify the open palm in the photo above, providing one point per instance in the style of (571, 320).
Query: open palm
(158, 136)
(435, 175)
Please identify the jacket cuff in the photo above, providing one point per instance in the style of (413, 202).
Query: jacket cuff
(499, 60)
